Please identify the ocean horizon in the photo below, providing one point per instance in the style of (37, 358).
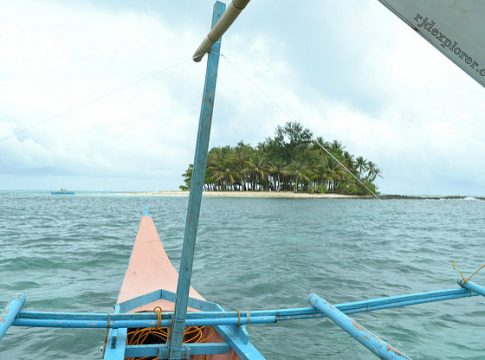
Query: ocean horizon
(382, 196)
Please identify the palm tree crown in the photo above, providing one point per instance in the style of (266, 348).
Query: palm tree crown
(290, 161)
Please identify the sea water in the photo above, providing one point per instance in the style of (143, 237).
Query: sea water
(69, 253)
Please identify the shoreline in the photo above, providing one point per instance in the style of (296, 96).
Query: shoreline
(249, 194)
(292, 195)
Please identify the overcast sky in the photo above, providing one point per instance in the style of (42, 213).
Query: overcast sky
(111, 98)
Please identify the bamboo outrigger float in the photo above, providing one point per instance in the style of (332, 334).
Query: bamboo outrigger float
(158, 315)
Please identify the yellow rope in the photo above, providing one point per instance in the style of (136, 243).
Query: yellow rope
(192, 334)
(248, 318)
(159, 311)
(106, 334)
(463, 278)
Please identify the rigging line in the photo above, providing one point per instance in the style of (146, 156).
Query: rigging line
(346, 169)
(356, 178)
(94, 100)
(289, 117)
(257, 87)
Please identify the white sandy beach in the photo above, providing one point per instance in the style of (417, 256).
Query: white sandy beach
(248, 194)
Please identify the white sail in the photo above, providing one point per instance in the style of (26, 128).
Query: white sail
(455, 27)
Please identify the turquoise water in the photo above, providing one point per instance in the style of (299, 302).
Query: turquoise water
(70, 253)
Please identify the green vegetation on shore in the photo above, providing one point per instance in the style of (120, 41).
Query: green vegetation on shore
(292, 160)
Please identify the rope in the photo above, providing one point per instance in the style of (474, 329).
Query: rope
(347, 170)
(263, 92)
(93, 100)
(248, 317)
(106, 334)
(192, 334)
(158, 310)
(463, 278)
(289, 117)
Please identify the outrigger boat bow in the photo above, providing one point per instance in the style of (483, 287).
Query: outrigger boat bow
(159, 316)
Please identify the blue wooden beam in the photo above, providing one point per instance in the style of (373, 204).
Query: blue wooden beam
(162, 351)
(166, 295)
(99, 320)
(10, 312)
(404, 300)
(357, 331)
(114, 323)
(115, 346)
(195, 197)
(237, 337)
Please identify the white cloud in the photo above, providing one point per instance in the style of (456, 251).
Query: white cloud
(58, 59)
(426, 121)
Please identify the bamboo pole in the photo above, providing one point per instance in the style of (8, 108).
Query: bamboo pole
(232, 12)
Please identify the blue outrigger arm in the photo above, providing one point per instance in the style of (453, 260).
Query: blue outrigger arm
(211, 314)
(470, 285)
(10, 312)
(357, 331)
(229, 325)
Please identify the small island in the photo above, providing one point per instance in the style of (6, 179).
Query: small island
(293, 160)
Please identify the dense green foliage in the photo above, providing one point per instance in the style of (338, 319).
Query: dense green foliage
(290, 161)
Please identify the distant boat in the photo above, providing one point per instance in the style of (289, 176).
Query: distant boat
(62, 191)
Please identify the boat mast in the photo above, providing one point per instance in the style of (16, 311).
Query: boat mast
(221, 20)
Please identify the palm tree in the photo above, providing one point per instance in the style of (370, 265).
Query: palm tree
(276, 172)
(239, 158)
(291, 160)
(258, 168)
(336, 173)
(301, 173)
(221, 169)
(321, 175)
(187, 176)
(225, 173)
(372, 171)
(336, 148)
(348, 160)
(361, 165)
